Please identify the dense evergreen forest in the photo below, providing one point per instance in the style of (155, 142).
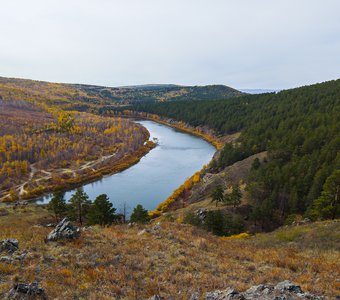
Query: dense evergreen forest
(300, 130)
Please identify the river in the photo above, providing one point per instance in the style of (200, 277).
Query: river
(177, 156)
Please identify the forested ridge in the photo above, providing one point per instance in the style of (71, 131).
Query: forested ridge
(299, 128)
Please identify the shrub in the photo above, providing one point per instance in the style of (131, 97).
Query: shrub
(242, 235)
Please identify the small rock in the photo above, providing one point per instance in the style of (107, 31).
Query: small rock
(117, 258)
(10, 259)
(20, 257)
(228, 294)
(48, 259)
(201, 213)
(9, 246)
(24, 291)
(6, 259)
(141, 232)
(258, 290)
(195, 296)
(64, 230)
(157, 227)
(156, 297)
(287, 286)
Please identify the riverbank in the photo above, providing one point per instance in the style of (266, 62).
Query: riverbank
(73, 180)
(177, 156)
(178, 197)
(186, 187)
(202, 132)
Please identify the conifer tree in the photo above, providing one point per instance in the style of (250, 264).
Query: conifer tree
(217, 194)
(101, 211)
(79, 206)
(57, 205)
(139, 215)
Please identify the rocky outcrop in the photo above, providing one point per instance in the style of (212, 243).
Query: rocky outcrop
(23, 291)
(9, 246)
(282, 291)
(64, 230)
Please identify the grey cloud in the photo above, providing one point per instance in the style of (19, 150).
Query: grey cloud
(241, 43)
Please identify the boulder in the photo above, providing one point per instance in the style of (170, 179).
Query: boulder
(25, 291)
(282, 291)
(9, 246)
(157, 227)
(64, 230)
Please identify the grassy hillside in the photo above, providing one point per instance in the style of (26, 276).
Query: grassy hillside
(300, 130)
(171, 259)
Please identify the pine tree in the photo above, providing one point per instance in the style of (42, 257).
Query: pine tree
(235, 196)
(217, 194)
(327, 206)
(101, 211)
(79, 206)
(139, 215)
(57, 205)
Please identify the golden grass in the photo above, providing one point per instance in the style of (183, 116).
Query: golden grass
(117, 263)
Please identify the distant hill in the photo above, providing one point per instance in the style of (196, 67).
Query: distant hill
(149, 86)
(81, 95)
(160, 92)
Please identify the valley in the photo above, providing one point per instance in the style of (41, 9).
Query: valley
(170, 150)
(224, 189)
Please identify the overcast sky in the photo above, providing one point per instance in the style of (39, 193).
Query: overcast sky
(240, 43)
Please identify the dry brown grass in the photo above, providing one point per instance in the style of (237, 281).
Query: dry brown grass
(117, 263)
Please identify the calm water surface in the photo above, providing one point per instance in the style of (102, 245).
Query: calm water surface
(178, 156)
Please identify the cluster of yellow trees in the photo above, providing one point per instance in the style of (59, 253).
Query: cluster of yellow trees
(180, 192)
(48, 138)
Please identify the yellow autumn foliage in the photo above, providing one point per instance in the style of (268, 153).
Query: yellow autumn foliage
(186, 186)
(242, 235)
